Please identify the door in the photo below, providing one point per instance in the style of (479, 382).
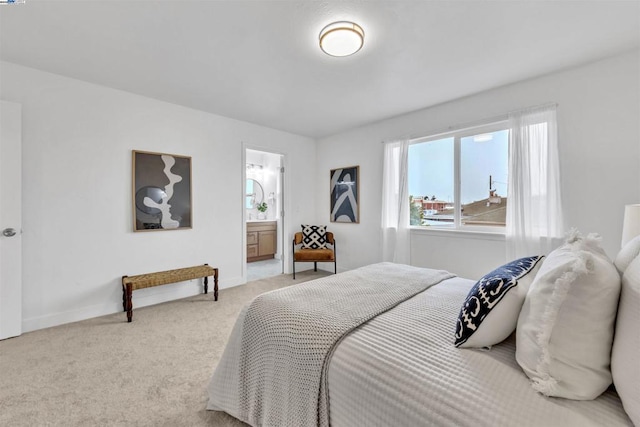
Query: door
(10, 219)
(282, 244)
(266, 243)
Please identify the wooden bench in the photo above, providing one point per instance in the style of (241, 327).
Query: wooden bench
(131, 283)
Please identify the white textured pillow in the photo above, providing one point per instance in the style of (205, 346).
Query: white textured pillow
(627, 254)
(565, 328)
(625, 365)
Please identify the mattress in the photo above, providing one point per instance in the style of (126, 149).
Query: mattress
(402, 369)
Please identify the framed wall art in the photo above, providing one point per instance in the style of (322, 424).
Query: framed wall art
(161, 191)
(345, 206)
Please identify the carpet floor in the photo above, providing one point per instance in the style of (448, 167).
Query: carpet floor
(107, 372)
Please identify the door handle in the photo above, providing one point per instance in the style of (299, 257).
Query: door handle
(9, 232)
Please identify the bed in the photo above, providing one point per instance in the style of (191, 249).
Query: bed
(393, 365)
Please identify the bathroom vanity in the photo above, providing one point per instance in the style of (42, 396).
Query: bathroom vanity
(261, 240)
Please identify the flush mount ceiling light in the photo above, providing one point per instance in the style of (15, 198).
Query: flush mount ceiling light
(341, 38)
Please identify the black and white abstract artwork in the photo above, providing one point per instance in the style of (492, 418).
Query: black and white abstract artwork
(161, 191)
(344, 195)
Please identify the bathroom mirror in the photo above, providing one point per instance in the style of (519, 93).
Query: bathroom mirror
(254, 193)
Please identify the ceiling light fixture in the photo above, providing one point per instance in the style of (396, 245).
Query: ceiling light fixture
(341, 38)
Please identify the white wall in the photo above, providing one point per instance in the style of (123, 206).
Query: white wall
(599, 137)
(77, 215)
(77, 141)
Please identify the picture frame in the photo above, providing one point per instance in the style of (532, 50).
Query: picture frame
(344, 194)
(161, 191)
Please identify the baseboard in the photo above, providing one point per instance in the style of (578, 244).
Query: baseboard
(141, 298)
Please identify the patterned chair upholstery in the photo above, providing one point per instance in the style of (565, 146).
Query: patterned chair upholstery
(314, 255)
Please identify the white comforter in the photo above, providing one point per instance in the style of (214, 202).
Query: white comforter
(273, 370)
(402, 369)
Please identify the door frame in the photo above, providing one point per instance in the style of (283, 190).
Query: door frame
(285, 205)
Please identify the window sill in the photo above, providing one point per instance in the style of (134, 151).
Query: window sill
(497, 235)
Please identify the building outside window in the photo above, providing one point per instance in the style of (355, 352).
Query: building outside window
(459, 179)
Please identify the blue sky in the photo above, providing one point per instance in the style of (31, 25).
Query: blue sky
(431, 167)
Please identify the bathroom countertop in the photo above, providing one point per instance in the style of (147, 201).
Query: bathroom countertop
(261, 220)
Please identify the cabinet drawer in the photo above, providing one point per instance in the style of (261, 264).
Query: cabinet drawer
(252, 251)
(261, 226)
(252, 238)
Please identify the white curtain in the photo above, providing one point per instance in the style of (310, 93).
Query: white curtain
(395, 202)
(534, 208)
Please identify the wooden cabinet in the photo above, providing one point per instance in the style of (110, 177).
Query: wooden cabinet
(261, 240)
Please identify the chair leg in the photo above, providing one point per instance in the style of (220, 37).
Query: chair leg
(335, 268)
(294, 270)
(315, 266)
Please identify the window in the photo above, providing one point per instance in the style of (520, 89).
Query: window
(460, 179)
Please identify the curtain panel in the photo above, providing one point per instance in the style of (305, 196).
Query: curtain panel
(395, 202)
(534, 208)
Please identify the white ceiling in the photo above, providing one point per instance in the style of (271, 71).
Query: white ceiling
(259, 61)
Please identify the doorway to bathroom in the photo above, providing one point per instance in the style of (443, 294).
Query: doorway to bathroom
(263, 206)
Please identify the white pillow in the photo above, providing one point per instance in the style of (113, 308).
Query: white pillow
(490, 312)
(625, 364)
(627, 254)
(565, 328)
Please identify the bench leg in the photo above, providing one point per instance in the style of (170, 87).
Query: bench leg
(206, 285)
(315, 266)
(124, 295)
(129, 304)
(215, 284)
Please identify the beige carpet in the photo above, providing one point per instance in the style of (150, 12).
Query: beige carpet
(104, 371)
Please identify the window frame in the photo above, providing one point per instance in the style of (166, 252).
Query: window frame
(457, 135)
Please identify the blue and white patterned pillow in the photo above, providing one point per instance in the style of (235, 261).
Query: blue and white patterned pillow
(490, 312)
(314, 236)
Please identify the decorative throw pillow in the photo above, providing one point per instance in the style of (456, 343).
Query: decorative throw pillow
(626, 343)
(565, 328)
(627, 254)
(490, 312)
(314, 236)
